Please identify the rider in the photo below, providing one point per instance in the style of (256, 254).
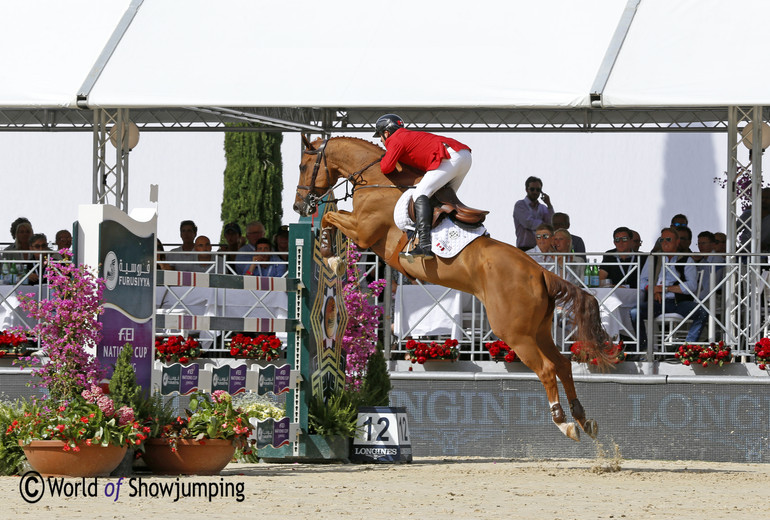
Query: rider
(445, 161)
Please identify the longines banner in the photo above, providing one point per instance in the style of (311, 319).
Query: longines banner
(124, 250)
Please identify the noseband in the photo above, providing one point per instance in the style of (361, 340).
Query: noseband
(311, 199)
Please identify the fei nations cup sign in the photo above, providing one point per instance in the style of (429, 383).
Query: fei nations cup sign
(123, 248)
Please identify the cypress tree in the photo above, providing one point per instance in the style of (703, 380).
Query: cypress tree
(253, 179)
(376, 388)
(123, 388)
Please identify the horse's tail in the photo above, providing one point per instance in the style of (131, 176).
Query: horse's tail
(584, 308)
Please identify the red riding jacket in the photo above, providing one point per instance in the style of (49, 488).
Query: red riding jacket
(420, 150)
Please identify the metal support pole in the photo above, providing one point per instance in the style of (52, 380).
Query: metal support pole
(387, 318)
(110, 177)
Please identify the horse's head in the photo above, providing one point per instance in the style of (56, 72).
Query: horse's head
(315, 179)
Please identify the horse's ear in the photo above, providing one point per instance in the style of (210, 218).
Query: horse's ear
(306, 142)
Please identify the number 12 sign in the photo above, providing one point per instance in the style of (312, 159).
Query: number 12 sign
(383, 435)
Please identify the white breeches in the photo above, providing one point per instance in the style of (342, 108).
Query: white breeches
(450, 172)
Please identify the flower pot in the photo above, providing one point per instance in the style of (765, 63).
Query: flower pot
(191, 457)
(49, 458)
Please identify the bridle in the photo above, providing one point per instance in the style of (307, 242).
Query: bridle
(352, 182)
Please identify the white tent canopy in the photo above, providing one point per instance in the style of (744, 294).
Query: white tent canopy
(444, 63)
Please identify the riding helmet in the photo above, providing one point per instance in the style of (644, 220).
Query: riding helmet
(388, 122)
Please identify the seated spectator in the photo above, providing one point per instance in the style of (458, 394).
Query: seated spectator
(21, 232)
(204, 257)
(182, 255)
(679, 220)
(255, 230)
(562, 243)
(677, 299)
(264, 263)
(636, 241)
(63, 239)
(281, 243)
(720, 242)
(161, 261)
(705, 264)
(38, 244)
(544, 244)
(616, 263)
(561, 221)
(233, 243)
(685, 239)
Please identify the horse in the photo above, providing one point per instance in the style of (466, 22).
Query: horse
(520, 295)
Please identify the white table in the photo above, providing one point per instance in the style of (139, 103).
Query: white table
(429, 310)
(615, 304)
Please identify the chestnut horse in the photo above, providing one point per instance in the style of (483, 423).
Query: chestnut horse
(520, 296)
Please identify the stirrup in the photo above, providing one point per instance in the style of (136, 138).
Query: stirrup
(417, 252)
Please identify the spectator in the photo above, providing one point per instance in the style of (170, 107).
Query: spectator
(21, 232)
(616, 261)
(63, 239)
(636, 241)
(281, 242)
(204, 257)
(685, 238)
(561, 221)
(254, 231)
(528, 213)
(544, 238)
(184, 254)
(677, 299)
(679, 220)
(161, 262)
(265, 264)
(705, 264)
(562, 243)
(233, 243)
(720, 242)
(38, 243)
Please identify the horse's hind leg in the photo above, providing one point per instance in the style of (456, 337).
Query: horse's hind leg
(546, 368)
(564, 372)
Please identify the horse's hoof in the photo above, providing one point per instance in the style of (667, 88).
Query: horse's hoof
(591, 428)
(572, 432)
(337, 265)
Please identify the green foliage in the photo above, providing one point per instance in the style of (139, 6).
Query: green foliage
(123, 388)
(335, 415)
(253, 179)
(11, 454)
(376, 388)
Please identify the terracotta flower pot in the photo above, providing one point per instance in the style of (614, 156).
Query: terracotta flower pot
(48, 458)
(190, 458)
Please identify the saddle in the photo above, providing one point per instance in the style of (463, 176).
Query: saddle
(446, 204)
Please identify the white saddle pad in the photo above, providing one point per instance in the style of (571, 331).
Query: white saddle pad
(447, 239)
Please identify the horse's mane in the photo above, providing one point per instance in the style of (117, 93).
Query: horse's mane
(357, 140)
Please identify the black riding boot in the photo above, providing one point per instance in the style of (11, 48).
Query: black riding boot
(423, 214)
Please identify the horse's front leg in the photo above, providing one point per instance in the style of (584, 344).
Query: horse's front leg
(342, 220)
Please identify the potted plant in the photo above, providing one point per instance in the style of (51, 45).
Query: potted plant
(500, 351)
(75, 428)
(201, 442)
(13, 344)
(762, 353)
(704, 355)
(265, 346)
(176, 349)
(418, 352)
